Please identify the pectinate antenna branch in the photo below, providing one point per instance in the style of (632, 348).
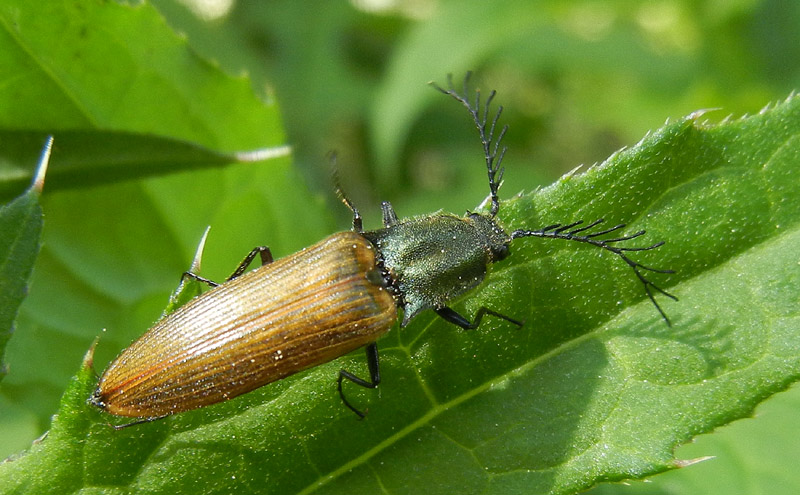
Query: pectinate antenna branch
(493, 152)
(570, 233)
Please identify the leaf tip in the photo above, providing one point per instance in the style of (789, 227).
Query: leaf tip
(88, 358)
(41, 167)
(262, 154)
(198, 254)
(682, 463)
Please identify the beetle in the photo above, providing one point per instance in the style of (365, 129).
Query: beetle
(331, 298)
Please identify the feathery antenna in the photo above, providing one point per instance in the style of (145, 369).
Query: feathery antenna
(569, 233)
(494, 153)
(491, 146)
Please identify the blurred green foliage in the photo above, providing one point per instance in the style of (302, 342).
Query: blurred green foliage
(579, 80)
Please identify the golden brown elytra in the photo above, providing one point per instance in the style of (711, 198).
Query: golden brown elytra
(281, 318)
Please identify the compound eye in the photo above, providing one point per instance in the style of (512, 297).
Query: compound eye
(501, 252)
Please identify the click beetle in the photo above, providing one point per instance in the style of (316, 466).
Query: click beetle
(331, 298)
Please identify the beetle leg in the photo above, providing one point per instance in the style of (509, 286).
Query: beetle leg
(266, 259)
(137, 422)
(374, 376)
(457, 319)
(389, 216)
(97, 400)
(263, 251)
(200, 279)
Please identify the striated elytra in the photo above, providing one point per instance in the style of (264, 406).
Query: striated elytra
(268, 323)
(329, 299)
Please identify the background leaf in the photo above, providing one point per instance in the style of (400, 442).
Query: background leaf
(112, 66)
(20, 233)
(578, 81)
(119, 75)
(87, 158)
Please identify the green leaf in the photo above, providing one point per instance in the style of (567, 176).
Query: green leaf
(125, 96)
(749, 457)
(86, 158)
(594, 387)
(20, 232)
(114, 66)
(130, 98)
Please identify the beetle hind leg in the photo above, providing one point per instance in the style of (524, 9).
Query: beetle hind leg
(374, 377)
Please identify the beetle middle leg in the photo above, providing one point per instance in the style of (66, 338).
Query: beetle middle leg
(457, 319)
(374, 377)
(266, 259)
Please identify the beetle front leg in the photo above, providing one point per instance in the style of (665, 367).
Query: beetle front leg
(374, 375)
(457, 319)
